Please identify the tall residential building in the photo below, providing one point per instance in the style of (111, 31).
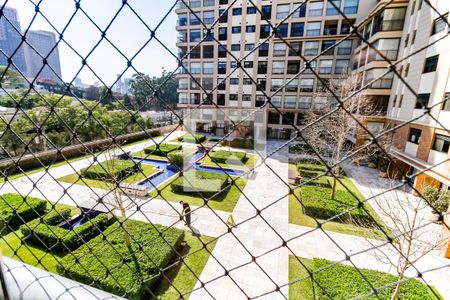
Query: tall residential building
(398, 30)
(313, 27)
(10, 39)
(42, 45)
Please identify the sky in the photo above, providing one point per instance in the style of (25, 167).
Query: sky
(126, 32)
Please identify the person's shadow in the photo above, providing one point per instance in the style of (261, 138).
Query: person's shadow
(195, 231)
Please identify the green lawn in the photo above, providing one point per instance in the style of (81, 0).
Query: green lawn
(345, 282)
(249, 162)
(12, 246)
(226, 201)
(64, 162)
(296, 215)
(142, 154)
(73, 178)
(180, 276)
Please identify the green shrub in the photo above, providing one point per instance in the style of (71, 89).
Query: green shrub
(438, 199)
(106, 263)
(345, 282)
(318, 203)
(300, 149)
(53, 217)
(176, 158)
(111, 170)
(16, 210)
(162, 149)
(229, 157)
(60, 240)
(240, 143)
(195, 181)
(189, 138)
(311, 166)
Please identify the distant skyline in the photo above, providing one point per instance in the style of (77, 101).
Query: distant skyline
(127, 33)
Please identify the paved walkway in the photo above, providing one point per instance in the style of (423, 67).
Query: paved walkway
(258, 236)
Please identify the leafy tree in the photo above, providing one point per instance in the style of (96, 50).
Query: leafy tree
(105, 96)
(10, 77)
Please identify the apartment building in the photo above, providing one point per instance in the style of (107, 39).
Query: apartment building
(211, 74)
(10, 40)
(397, 29)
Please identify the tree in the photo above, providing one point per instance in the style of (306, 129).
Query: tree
(106, 96)
(10, 78)
(412, 240)
(332, 123)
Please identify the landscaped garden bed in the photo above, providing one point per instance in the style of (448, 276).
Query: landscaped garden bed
(229, 157)
(16, 209)
(248, 162)
(106, 262)
(111, 170)
(162, 149)
(345, 282)
(189, 138)
(47, 235)
(200, 182)
(240, 143)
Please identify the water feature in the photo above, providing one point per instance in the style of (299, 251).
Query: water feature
(78, 220)
(169, 171)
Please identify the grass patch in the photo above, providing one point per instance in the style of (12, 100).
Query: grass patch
(189, 138)
(111, 170)
(206, 183)
(226, 201)
(249, 161)
(180, 276)
(147, 171)
(142, 154)
(16, 210)
(297, 212)
(344, 282)
(108, 264)
(162, 149)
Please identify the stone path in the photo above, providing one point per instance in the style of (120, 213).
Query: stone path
(258, 236)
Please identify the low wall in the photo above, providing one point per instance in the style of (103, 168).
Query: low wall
(45, 158)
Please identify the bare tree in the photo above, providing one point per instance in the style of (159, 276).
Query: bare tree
(412, 237)
(333, 125)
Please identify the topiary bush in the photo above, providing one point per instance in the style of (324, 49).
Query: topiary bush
(240, 143)
(59, 239)
(53, 217)
(206, 183)
(105, 261)
(176, 158)
(162, 149)
(438, 199)
(111, 170)
(346, 282)
(16, 210)
(229, 157)
(189, 138)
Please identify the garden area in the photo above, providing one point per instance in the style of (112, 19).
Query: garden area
(40, 238)
(315, 193)
(229, 159)
(191, 138)
(195, 185)
(104, 175)
(345, 282)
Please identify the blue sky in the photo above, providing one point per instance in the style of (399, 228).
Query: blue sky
(127, 32)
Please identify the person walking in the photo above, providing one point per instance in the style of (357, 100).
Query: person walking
(186, 213)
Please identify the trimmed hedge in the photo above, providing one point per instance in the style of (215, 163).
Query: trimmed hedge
(162, 149)
(318, 203)
(311, 166)
(203, 182)
(240, 143)
(115, 169)
(110, 267)
(189, 138)
(230, 157)
(16, 210)
(53, 217)
(60, 240)
(345, 282)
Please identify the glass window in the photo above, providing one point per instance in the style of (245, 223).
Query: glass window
(388, 47)
(222, 68)
(279, 49)
(234, 81)
(263, 50)
(248, 64)
(331, 9)
(325, 66)
(208, 17)
(282, 11)
(440, 24)
(249, 47)
(441, 143)
(422, 101)
(195, 36)
(251, 10)
(351, 6)
(195, 52)
(446, 102)
(276, 84)
(223, 34)
(236, 47)
(247, 81)
(223, 16)
(312, 66)
(182, 20)
(276, 101)
(345, 48)
(183, 83)
(315, 9)
(183, 98)
(382, 82)
(292, 86)
(290, 102)
(307, 85)
(342, 66)
(278, 67)
(313, 28)
(295, 49)
(282, 30)
(330, 28)
(250, 29)
(297, 29)
(311, 48)
(208, 83)
(195, 3)
(391, 19)
(221, 51)
(208, 51)
(299, 10)
(261, 84)
(236, 29)
(431, 64)
(414, 135)
(266, 12)
(327, 47)
(247, 98)
(196, 68)
(293, 67)
(194, 19)
(237, 11)
(208, 2)
(264, 31)
(262, 67)
(182, 36)
(305, 102)
(208, 68)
